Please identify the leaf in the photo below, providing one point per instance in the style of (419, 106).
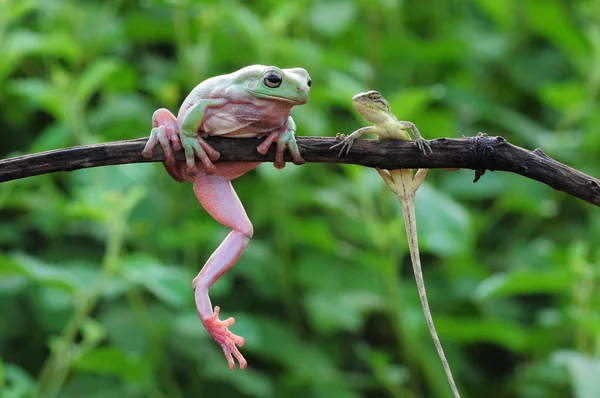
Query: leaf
(410, 101)
(112, 361)
(37, 271)
(497, 331)
(94, 77)
(169, 284)
(339, 310)
(525, 281)
(444, 226)
(584, 371)
(333, 17)
(15, 382)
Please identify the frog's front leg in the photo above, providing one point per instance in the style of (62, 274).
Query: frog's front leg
(217, 196)
(285, 139)
(166, 132)
(192, 143)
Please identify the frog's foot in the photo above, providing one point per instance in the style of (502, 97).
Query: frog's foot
(166, 133)
(345, 144)
(197, 146)
(219, 331)
(423, 146)
(284, 140)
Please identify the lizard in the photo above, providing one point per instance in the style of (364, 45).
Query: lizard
(373, 107)
(255, 101)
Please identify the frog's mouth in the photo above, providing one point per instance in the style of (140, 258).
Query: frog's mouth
(296, 101)
(285, 99)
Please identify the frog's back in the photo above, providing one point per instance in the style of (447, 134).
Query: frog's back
(209, 88)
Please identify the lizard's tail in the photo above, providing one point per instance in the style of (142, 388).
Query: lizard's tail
(408, 211)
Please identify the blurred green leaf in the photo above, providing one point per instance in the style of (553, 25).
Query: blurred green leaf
(170, 285)
(525, 282)
(17, 383)
(584, 371)
(332, 312)
(37, 271)
(444, 226)
(100, 261)
(115, 362)
(333, 17)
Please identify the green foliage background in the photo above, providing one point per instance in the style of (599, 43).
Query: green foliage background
(96, 265)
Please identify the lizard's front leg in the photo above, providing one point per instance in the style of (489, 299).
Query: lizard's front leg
(217, 196)
(420, 142)
(348, 141)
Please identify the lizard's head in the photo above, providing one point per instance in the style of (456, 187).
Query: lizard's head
(371, 105)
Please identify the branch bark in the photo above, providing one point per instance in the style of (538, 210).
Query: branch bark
(479, 153)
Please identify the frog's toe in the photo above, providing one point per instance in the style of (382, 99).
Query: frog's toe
(148, 150)
(299, 160)
(211, 152)
(279, 162)
(165, 143)
(264, 146)
(174, 138)
(191, 170)
(228, 341)
(295, 152)
(208, 166)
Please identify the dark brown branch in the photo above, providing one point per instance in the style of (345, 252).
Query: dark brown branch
(479, 153)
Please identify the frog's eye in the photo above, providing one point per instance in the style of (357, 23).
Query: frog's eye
(309, 83)
(272, 79)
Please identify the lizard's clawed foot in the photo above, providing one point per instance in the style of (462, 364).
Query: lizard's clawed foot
(219, 331)
(423, 146)
(345, 144)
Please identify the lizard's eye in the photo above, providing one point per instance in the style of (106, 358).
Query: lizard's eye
(272, 79)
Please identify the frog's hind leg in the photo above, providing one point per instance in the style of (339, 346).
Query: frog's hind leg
(164, 131)
(217, 196)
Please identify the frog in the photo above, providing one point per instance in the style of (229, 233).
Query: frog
(255, 101)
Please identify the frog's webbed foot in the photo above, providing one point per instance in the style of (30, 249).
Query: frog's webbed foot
(166, 133)
(345, 144)
(284, 140)
(423, 146)
(197, 146)
(228, 341)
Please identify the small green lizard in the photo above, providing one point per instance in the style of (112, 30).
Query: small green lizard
(402, 182)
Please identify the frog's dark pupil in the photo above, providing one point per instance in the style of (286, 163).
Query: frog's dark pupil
(273, 79)
(309, 83)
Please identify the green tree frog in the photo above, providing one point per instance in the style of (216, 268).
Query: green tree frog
(255, 101)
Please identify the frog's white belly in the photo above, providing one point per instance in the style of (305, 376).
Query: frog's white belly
(236, 120)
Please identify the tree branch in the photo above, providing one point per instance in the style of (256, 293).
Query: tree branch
(479, 153)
